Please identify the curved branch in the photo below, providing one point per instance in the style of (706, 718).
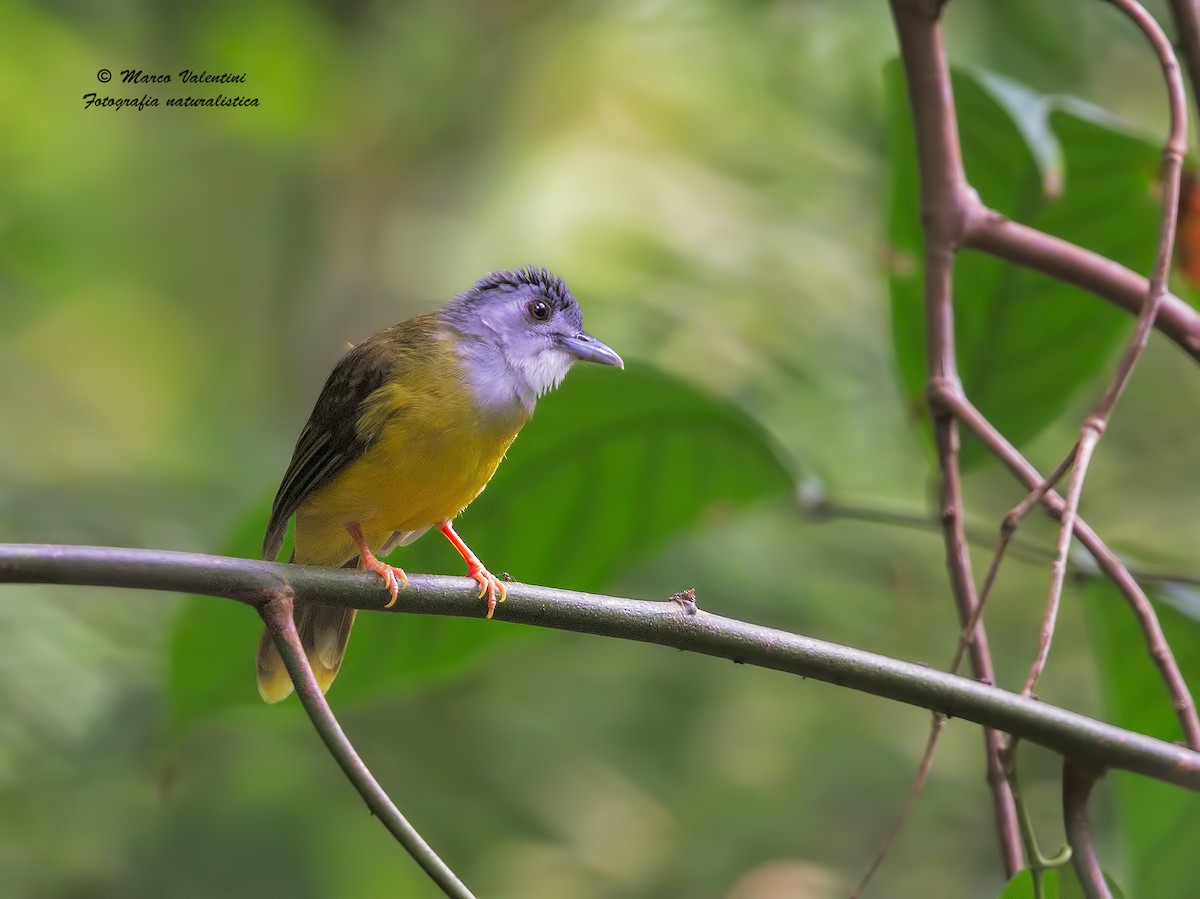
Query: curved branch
(1077, 786)
(990, 232)
(1187, 25)
(1080, 457)
(277, 614)
(663, 623)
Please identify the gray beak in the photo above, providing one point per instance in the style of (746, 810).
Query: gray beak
(587, 348)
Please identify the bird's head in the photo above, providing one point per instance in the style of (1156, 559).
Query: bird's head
(519, 334)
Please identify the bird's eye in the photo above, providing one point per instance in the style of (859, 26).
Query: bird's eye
(539, 310)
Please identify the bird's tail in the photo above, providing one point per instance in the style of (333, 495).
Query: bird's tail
(324, 633)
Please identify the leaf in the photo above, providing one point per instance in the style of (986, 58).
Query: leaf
(612, 467)
(1159, 824)
(1070, 887)
(1021, 886)
(1025, 343)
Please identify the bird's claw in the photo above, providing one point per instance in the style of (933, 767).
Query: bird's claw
(393, 578)
(489, 585)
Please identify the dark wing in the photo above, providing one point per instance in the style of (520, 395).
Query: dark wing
(330, 441)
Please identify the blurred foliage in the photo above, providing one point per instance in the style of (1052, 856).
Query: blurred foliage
(1157, 824)
(710, 178)
(1027, 343)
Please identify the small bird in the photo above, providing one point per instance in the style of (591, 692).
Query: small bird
(409, 428)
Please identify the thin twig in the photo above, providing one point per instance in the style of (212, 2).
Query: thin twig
(1078, 781)
(1097, 422)
(1038, 863)
(936, 723)
(946, 197)
(1112, 567)
(1081, 457)
(277, 613)
(834, 510)
(1174, 151)
(1008, 529)
(661, 623)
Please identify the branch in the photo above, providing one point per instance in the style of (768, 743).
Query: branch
(662, 623)
(1106, 560)
(277, 614)
(946, 202)
(1096, 423)
(936, 724)
(832, 510)
(1186, 14)
(991, 233)
(1077, 786)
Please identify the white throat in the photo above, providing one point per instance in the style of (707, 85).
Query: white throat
(501, 382)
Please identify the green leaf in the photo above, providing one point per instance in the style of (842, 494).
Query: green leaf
(1021, 886)
(612, 467)
(1025, 342)
(1159, 824)
(1070, 888)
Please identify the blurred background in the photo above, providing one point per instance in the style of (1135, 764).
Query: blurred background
(709, 177)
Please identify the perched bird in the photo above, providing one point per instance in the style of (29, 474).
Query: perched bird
(409, 428)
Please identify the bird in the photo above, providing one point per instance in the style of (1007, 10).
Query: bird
(409, 428)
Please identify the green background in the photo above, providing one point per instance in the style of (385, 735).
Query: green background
(712, 180)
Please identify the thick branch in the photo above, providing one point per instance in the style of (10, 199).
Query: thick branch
(662, 623)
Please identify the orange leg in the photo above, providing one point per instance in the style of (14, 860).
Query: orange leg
(489, 584)
(393, 577)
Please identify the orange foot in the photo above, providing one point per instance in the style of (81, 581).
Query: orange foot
(489, 584)
(393, 578)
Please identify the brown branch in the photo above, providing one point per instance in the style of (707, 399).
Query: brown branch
(1078, 781)
(1172, 172)
(992, 233)
(1186, 14)
(946, 201)
(1081, 457)
(1106, 559)
(1096, 423)
(276, 611)
(1008, 530)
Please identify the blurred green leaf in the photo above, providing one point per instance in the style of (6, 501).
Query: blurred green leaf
(1021, 886)
(1159, 824)
(611, 468)
(1025, 343)
(1070, 888)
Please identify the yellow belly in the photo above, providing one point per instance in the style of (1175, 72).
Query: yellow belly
(428, 460)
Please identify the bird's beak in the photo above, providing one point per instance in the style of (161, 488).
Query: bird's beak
(587, 348)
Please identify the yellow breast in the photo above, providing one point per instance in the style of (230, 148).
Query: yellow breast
(430, 452)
